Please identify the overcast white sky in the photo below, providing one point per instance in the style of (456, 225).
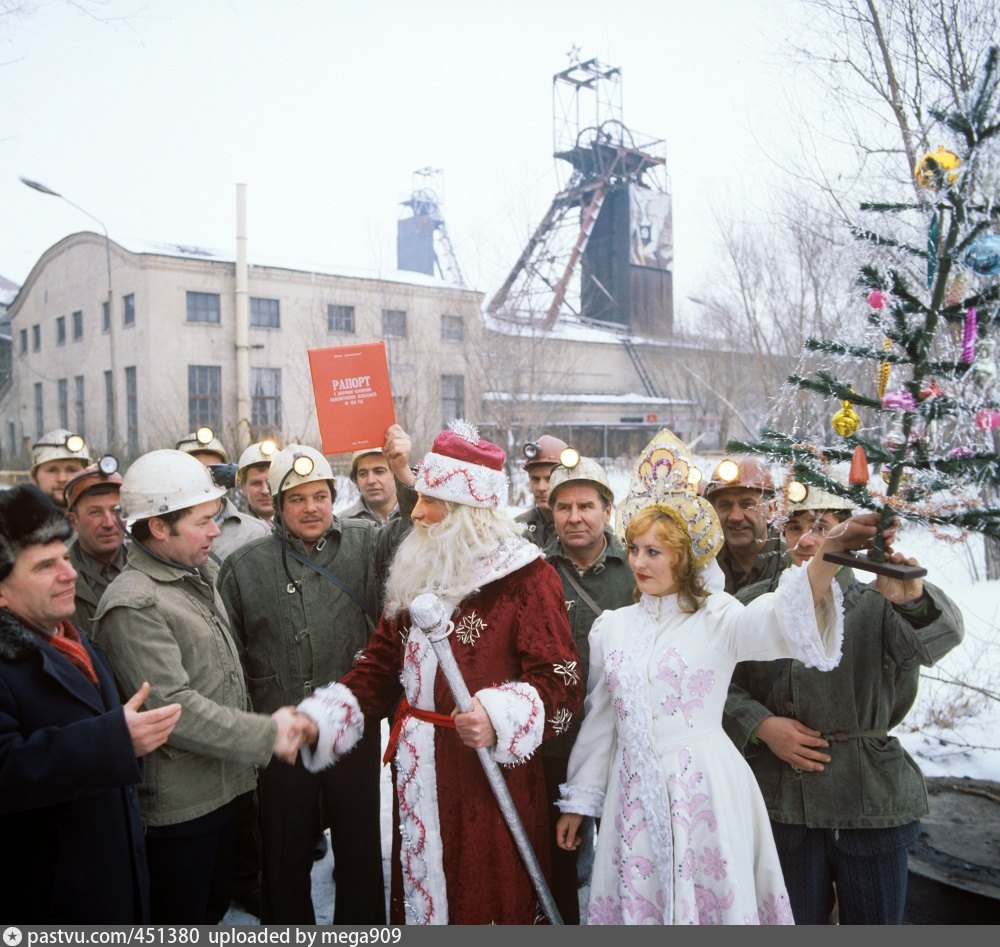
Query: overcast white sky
(148, 112)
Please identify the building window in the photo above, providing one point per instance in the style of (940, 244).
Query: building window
(39, 411)
(79, 409)
(36, 340)
(128, 310)
(205, 396)
(109, 407)
(204, 307)
(78, 324)
(265, 313)
(62, 387)
(452, 397)
(394, 323)
(131, 410)
(339, 318)
(452, 328)
(24, 341)
(105, 317)
(61, 332)
(265, 394)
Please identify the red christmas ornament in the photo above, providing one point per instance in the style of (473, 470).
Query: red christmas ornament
(859, 466)
(933, 390)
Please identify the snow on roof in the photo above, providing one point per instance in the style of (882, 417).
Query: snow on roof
(629, 398)
(192, 252)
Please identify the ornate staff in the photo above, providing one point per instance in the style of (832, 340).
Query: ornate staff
(430, 615)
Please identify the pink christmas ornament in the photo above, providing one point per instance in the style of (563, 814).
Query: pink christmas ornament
(960, 451)
(987, 419)
(877, 299)
(898, 401)
(969, 337)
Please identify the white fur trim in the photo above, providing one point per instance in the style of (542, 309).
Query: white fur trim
(582, 800)
(816, 631)
(460, 481)
(518, 716)
(336, 712)
(425, 895)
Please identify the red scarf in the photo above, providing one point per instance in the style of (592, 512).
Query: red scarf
(67, 641)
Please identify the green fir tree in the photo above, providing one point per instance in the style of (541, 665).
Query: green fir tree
(923, 400)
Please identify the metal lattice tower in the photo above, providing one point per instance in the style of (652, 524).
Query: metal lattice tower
(600, 156)
(422, 241)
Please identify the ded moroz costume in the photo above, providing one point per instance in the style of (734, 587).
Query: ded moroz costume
(454, 859)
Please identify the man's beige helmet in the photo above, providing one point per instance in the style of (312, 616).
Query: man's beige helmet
(584, 471)
(163, 481)
(203, 441)
(59, 444)
(261, 452)
(301, 464)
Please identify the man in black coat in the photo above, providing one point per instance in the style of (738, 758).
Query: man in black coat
(69, 816)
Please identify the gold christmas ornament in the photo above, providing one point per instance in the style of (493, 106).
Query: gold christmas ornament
(846, 421)
(944, 161)
(884, 369)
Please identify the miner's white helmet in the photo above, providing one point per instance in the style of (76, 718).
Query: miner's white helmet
(59, 444)
(260, 453)
(163, 481)
(302, 465)
(801, 497)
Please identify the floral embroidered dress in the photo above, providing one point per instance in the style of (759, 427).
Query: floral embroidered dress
(684, 835)
(454, 858)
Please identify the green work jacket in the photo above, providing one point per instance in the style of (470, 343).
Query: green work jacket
(166, 625)
(298, 634)
(871, 781)
(610, 583)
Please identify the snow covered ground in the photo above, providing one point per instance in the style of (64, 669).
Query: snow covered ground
(953, 729)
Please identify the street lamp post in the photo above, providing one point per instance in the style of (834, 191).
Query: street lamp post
(113, 412)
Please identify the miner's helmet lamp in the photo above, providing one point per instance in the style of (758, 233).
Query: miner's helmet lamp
(574, 469)
(546, 450)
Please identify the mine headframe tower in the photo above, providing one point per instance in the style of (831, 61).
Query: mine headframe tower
(610, 224)
(422, 241)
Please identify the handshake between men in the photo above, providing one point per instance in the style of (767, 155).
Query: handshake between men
(295, 730)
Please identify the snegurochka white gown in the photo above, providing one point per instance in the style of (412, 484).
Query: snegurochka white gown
(684, 834)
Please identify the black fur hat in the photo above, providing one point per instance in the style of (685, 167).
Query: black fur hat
(27, 518)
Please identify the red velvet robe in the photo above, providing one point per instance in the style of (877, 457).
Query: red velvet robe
(454, 859)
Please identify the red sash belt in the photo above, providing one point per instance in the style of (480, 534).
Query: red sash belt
(405, 710)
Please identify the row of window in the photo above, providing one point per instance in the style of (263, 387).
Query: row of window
(128, 319)
(204, 401)
(264, 313)
(79, 409)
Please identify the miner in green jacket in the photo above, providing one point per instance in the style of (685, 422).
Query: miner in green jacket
(162, 621)
(844, 797)
(302, 605)
(593, 566)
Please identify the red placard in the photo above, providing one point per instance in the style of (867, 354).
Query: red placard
(353, 396)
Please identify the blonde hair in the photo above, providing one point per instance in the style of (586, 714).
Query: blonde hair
(691, 588)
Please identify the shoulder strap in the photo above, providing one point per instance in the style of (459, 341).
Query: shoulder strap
(580, 590)
(330, 577)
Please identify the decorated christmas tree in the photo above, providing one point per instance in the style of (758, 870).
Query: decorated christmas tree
(913, 394)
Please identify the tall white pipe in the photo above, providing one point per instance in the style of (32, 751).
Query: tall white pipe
(242, 322)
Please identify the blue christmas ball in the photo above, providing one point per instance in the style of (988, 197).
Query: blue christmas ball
(983, 257)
